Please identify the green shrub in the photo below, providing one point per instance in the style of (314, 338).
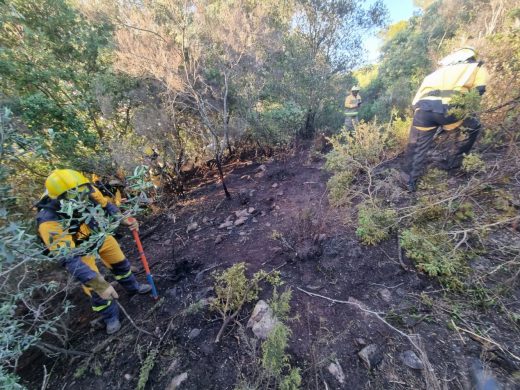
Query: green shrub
(433, 251)
(472, 163)
(399, 131)
(374, 223)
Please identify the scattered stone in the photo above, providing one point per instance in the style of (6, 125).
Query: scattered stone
(191, 227)
(128, 377)
(155, 237)
(167, 242)
(134, 269)
(410, 359)
(255, 220)
(219, 239)
(275, 185)
(277, 207)
(176, 381)
(242, 233)
(385, 294)
(241, 213)
(173, 292)
(262, 214)
(268, 224)
(361, 342)
(279, 193)
(196, 237)
(322, 237)
(251, 210)
(371, 355)
(226, 224)
(194, 333)
(261, 168)
(205, 220)
(336, 370)
(244, 196)
(262, 320)
(241, 221)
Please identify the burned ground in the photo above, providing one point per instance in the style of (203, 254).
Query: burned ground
(291, 228)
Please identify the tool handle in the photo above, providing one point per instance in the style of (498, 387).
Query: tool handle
(141, 251)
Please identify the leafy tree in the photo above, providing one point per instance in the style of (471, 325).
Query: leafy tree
(49, 61)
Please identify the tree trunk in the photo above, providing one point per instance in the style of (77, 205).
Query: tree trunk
(308, 129)
(221, 174)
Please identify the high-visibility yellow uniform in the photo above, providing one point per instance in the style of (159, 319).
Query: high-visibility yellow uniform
(83, 266)
(352, 104)
(431, 105)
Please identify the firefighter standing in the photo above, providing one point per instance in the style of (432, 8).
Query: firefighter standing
(58, 230)
(352, 103)
(459, 73)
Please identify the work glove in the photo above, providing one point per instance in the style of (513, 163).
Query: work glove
(131, 223)
(102, 288)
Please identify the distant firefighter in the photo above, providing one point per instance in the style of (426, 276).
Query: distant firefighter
(352, 103)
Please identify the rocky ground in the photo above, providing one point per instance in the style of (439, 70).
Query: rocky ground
(361, 317)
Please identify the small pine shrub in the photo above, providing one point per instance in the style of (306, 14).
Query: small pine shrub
(338, 186)
(472, 163)
(353, 154)
(146, 368)
(374, 223)
(435, 180)
(433, 251)
(399, 133)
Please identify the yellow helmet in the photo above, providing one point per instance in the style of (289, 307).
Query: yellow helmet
(62, 180)
(459, 56)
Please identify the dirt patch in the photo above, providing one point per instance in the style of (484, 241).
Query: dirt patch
(290, 227)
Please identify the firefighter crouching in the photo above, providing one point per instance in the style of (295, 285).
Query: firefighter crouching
(65, 185)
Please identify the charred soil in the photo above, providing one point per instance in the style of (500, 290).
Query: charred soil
(289, 226)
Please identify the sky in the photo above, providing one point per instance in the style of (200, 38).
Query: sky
(398, 10)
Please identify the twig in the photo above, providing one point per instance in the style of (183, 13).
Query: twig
(46, 377)
(400, 254)
(482, 340)
(49, 348)
(132, 321)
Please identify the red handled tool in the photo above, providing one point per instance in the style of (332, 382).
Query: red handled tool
(145, 263)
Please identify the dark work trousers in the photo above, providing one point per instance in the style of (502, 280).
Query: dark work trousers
(420, 141)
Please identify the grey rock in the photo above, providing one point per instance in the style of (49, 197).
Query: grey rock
(336, 370)
(410, 359)
(262, 321)
(226, 224)
(371, 355)
(240, 221)
(194, 333)
(218, 240)
(176, 381)
(361, 342)
(385, 294)
(191, 227)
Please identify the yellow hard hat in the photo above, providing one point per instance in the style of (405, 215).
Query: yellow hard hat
(62, 180)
